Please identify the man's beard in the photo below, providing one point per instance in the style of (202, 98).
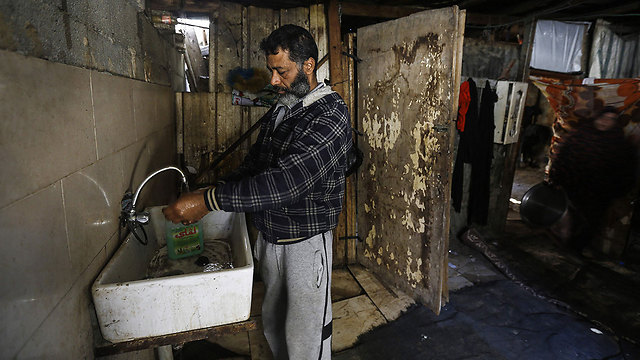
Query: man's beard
(299, 88)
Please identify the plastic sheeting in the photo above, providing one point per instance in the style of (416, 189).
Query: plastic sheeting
(612, 55)
(557, 46)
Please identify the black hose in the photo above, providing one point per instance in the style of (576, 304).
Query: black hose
(132, 228)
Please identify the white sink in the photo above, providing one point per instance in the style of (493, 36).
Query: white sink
(129, 306)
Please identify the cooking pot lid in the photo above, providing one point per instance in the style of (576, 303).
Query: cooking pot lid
(543, 205)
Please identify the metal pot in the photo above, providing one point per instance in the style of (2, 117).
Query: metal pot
(543, 205)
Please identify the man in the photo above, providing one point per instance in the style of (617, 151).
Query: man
(292, 181)
(594, 164)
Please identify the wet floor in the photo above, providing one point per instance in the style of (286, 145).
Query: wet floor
(494, 316)
(492, 320)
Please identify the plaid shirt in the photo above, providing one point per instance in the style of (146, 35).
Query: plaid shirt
(293, 177)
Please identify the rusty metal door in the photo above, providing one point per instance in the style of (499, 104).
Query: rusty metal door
(408, 85)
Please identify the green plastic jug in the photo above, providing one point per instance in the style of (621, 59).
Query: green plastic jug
(184, 240)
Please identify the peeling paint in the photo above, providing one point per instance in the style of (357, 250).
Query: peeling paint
(6, 35)
(413, 276)
(418, 226)
(382, 129)
(406, 53)
(32, 34)
(147, 65)
(370, 237)
(134, 62)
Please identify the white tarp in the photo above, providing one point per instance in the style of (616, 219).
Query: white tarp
(614, 56)
(557, 46)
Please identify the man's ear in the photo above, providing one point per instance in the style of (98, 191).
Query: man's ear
(309, 66)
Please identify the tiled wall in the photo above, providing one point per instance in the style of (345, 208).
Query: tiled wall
(72, 141)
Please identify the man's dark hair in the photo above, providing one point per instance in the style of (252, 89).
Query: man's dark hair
(608, 109)
(295, 39)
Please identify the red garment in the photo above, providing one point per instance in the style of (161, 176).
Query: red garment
(463, 105)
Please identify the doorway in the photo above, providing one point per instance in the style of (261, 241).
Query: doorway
(533, 156)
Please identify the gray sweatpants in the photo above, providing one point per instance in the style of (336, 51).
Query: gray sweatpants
(296, 311)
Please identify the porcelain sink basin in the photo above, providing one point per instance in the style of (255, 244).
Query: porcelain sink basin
(131, 305)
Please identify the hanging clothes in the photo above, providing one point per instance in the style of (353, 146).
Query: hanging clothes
(482, 154)
(464, 154)
(463, 105)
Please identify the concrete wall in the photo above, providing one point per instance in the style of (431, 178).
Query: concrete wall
(490, 59)
(73, 138)
(112, 36)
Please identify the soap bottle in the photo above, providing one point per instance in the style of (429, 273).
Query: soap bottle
(184, 240)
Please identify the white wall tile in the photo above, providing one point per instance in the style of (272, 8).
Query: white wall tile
(52, 340)
(92, 205)
(49, 146)
(165, 102)
(145, 108)
(162, 151)
(113, 244)
(36, 269)
(162, 148)
(113, 107)
(153, 108)
(47, 130)
(135, 163)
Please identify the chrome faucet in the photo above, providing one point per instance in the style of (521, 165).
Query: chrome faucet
(129, 217)
(135, 197)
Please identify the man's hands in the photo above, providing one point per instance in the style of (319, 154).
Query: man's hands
(188, 209)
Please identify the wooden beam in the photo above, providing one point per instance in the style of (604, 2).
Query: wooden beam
(628, 8)
(335, 47)
(195, 63)
(484, 19)
(103, 347)
(184, 5)
(391, 302)
(379, 11)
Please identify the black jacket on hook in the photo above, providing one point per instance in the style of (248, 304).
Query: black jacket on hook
(482, 154)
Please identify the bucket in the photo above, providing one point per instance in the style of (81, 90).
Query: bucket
(543, 205)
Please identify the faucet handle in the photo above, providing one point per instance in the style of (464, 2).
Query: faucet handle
(142, 218)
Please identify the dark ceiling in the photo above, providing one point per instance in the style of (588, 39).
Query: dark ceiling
(488, 13)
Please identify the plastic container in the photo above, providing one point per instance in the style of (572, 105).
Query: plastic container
(184, 240)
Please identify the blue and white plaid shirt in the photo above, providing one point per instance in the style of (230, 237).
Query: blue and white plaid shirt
(293, 177)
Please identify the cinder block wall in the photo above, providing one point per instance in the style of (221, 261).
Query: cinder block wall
(84, 117)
